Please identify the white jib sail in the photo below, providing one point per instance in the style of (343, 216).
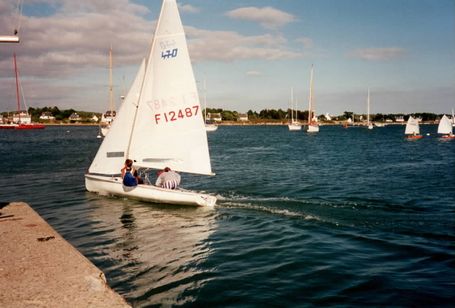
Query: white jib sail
(445, 126)
(412, 126)
(169, 130)
(113, 151)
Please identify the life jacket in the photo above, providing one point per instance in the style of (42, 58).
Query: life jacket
(129, 179)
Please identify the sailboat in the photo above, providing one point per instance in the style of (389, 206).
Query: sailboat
(108, 117)
(294, 124)
(369, 124)
(209, 126)
(159, 124)
(412, 130)
(445, 128)
(313, 126)
(20, 120)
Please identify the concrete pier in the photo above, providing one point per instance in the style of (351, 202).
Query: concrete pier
(38, 268)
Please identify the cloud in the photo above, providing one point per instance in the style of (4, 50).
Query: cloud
(63, 54)
(71, 40)
(378, 54)
(305, 41)
(229, 46)
(188, 8)
(253, 73)
(267, 17)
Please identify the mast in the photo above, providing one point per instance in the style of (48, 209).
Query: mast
(368, 108)
(111, 96)
(205, 101)
(17, 88)
(310, 97)
(292, 105)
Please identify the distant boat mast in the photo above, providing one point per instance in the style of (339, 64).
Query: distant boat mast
(310, 97)
(17, 88)
(368, 108)
(111, 94)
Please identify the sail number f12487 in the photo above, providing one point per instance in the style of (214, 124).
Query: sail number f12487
(172, 116)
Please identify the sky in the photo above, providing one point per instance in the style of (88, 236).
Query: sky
(249, 52)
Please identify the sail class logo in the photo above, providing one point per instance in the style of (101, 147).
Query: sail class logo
(169, 53)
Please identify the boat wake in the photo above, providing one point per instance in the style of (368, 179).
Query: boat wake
(272, 205)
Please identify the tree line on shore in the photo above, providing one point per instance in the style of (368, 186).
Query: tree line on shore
(228, 115)
(59, 115)
(283, 115)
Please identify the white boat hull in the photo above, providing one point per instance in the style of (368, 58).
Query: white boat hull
(294, 127)
(313, 128)
(113, 186)
(211, 127)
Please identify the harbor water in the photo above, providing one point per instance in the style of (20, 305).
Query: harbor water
(344, 217)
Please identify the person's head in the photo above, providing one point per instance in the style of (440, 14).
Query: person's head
(167, 169)
(129, 163)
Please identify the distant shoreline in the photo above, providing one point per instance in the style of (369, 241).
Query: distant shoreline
(229, 123)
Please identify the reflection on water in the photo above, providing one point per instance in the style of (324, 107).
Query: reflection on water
(153, 252)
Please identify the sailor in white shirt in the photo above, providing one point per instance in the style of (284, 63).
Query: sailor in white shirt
(168, 179)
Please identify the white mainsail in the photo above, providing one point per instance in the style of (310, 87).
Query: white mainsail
(160, 124)
(169, 129)
(412, 126)
(445, 126)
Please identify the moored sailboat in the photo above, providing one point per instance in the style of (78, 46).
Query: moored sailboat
(108, 117)
(209, 125)
(159, 124)
(21, 120)
(313, 126)
(412, 130)
(369, 124)
(294, 124)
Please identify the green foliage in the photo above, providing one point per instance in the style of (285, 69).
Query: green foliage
(228, 115)
(61, 115)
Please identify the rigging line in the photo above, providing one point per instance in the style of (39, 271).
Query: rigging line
(137, 106)
(19, 7)
(22, 91)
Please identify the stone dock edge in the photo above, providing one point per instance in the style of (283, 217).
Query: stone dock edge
(39, 268)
